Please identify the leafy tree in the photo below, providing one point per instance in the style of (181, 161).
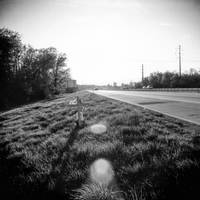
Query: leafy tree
(155, 79)
(146, 82)
(138, 85)
(28, 74)
(166, 79)
(174, 83)
(172, 80)
(10, 53)
(60, 73)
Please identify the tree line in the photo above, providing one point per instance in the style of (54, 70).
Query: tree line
(28, 74)
(171, 80)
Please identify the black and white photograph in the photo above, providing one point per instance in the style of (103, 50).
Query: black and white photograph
(99, 99)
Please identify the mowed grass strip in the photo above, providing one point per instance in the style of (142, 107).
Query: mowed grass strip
(44, 156)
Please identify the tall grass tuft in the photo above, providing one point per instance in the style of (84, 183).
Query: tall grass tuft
(129, 119)
(97, 192)
(132, 134)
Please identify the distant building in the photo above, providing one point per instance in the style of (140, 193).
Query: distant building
(114, 84)
(132, 84)
(71, 85)
(124, 86)
(128, 86)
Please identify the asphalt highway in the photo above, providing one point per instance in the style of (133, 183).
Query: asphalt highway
(181, 105)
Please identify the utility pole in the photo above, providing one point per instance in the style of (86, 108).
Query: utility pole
(142, 73)
(179, 60)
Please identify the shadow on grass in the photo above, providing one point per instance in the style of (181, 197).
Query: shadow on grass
(50, 187)
(56, 178)
(10, 166)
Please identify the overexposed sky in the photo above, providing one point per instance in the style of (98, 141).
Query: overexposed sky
(109, 40)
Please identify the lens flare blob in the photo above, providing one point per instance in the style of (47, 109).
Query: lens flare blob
(98, 128)
(101, 172)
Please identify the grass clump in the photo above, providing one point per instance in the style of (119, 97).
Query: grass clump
(97, 192)
(129, 119)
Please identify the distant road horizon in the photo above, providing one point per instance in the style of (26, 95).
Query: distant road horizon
(180, 105)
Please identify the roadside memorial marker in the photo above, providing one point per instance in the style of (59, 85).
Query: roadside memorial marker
(79, 115)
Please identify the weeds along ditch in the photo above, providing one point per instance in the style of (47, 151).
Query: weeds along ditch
(43, 155)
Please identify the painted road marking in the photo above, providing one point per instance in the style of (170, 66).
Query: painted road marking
(160, 98)
(145, 107)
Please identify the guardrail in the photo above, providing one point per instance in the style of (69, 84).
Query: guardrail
(172, 89)
(162, 89)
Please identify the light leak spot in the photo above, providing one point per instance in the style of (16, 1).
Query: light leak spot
(98, 128)
(101, 172)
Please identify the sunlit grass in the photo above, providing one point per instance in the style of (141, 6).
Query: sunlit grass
(42, 155)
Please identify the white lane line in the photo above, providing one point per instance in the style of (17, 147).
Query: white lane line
(159, 98)
(155, 110)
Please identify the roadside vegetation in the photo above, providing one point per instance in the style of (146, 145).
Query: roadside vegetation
(190, 79)
(28, 74)
(43, 155)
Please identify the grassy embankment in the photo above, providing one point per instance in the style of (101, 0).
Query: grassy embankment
(43, 155)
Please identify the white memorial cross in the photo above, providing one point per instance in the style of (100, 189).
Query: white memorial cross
(79, 115)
